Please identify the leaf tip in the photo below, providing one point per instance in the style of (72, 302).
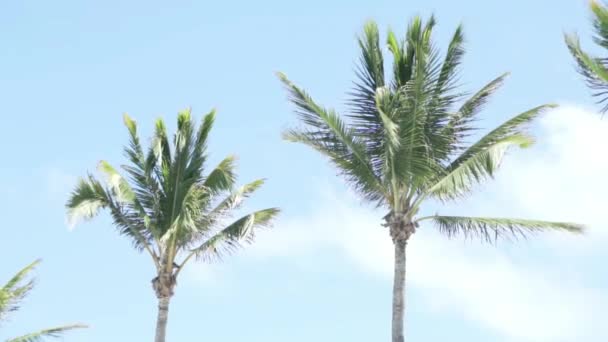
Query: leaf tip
(282, 77)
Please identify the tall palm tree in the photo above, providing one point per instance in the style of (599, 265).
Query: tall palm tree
(11, 296)
(405, 140)
(168, 207)
(594, 69)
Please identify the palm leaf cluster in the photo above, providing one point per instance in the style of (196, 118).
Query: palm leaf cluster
(12, 295)
(406, 136)
(166, 203)
(593, 69)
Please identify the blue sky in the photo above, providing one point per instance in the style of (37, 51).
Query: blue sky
(71, 68)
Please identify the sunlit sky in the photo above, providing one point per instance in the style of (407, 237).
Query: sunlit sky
(71, 68)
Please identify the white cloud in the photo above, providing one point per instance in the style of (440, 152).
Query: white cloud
(566, 176)
(563, 178)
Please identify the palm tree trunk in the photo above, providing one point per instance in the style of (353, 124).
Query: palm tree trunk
(161, 321)
(399, 291)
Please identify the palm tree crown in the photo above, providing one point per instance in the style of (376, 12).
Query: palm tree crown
(168, 205)
(405, 139)
(593, 69)
(11, 296)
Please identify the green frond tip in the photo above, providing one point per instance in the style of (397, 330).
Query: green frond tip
(205, 128)
(490, 229)
(116, 182)
(551, 106)
(286, 82)
(184, 115)
(600, 11)
(210, 117)
(393, 44)
(370, 28)
(525, 141)
(253, 186)
(161, 128)
(130, 123)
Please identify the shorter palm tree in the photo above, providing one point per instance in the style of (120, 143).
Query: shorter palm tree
(594, 69)
(168, 206)
(11, 296)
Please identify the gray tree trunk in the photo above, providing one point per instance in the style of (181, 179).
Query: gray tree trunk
(161, 321)
(399, 291)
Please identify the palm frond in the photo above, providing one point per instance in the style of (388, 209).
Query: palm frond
(490, 229)
(128, 215)
(391, 138)
(600, 23)
(233, 200)
(222, 178)
(594, 70)
(203, 131)
(413, 53)
(362, 102)
(196, 221)
(370, 77)
(421, 112)
(331, 136)
(459, 125)
(90, 196)
(453, 58)
(189, 192)
(160, 147)
(234, 235)
(86, 200)
(134, 150)
(444, 96)
(14, 290)
(422, 148)
(476, 168)
(513, 126)
(176, 181)
(145, 188)
(198, 156)
(55, 332)
(124, 204)
(119, 186)
(187, 222)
